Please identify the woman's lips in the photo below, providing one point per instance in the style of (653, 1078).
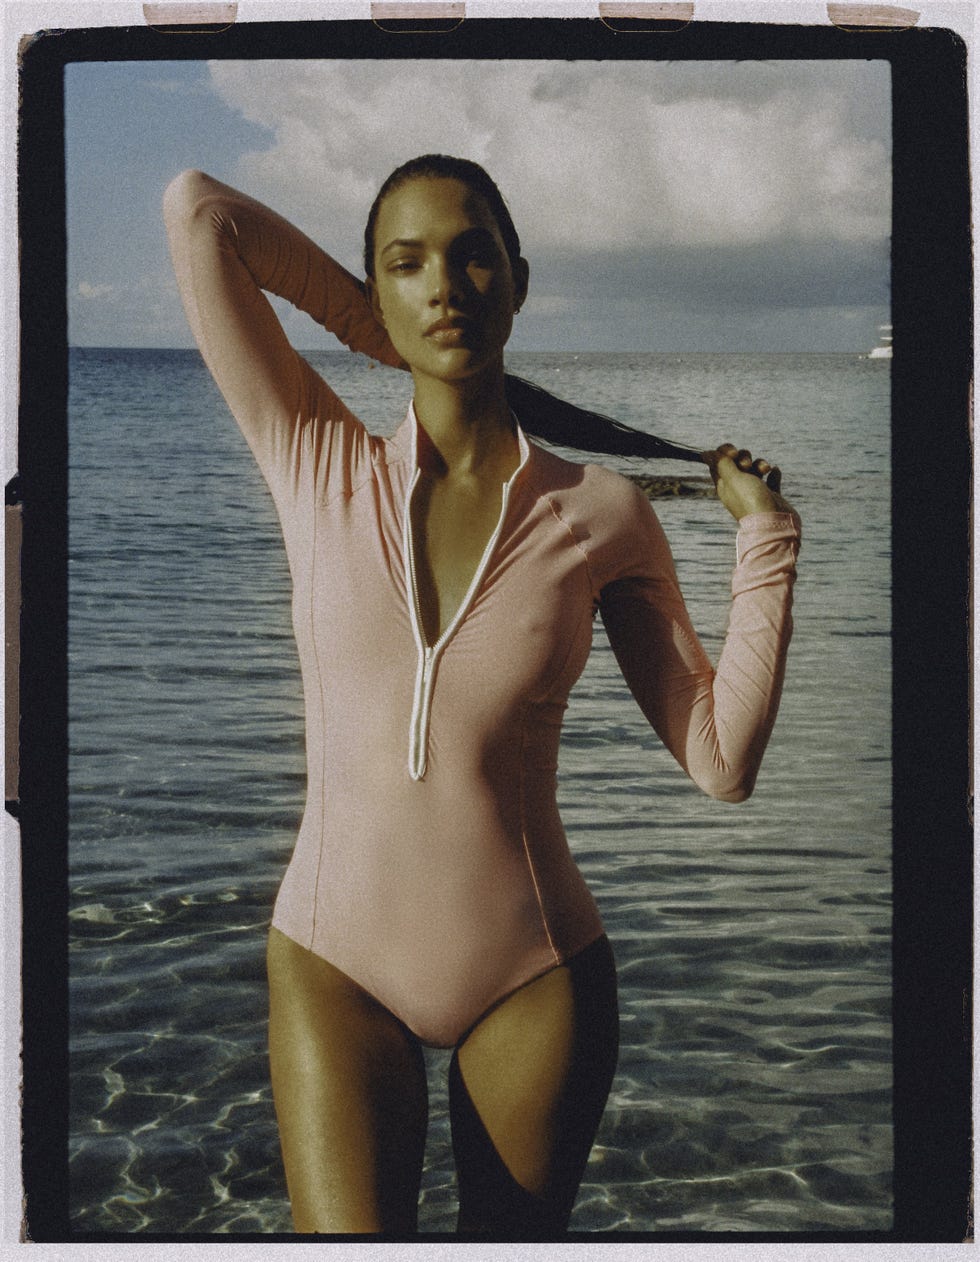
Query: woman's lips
(450, 331)
(450, 336)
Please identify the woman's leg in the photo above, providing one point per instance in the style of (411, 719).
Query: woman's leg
(348, 1080)
(527, 1090)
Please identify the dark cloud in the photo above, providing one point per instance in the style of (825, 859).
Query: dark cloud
(780, 273)
(568, 84)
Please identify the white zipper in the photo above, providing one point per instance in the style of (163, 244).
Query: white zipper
(417, 738)
(428, 656)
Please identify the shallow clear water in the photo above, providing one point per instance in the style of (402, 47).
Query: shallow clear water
(753, 1091)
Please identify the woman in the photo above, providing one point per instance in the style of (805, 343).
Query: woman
(445, 583)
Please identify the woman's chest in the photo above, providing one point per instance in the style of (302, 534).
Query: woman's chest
(513, 596)
(453, 530)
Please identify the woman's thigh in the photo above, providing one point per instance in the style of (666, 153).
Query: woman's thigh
(349, 1086)
(527, 1090)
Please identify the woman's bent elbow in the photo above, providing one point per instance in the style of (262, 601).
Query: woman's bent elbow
(184, 191)
(741, 794)
(728, 788)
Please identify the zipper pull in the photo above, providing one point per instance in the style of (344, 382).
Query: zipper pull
(420, 718)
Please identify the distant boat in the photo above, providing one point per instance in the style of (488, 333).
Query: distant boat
(884, 348)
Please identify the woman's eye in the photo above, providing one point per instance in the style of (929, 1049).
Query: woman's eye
(402, 265)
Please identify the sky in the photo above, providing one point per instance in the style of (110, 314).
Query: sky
(663, 206)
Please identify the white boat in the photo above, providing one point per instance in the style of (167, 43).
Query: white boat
(884, 348)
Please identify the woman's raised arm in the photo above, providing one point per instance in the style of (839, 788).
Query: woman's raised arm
(226, 249)
(716, 722)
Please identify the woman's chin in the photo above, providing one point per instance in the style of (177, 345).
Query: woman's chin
(457, 363)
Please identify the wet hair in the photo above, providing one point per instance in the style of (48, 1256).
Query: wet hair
(540, 412)
(438, 166)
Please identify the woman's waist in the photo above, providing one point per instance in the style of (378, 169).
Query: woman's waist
(457, 848)
(498, 797)
(360, 743)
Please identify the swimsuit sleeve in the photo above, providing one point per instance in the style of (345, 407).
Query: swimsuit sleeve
(716, 722)
(227, 248)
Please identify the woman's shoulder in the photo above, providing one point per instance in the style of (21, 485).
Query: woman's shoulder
(593, 486)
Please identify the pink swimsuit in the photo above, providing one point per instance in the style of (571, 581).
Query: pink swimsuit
(431, 865)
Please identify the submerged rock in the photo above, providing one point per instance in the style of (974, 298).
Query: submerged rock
(661, 487)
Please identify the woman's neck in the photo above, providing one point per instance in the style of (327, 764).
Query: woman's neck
(469, 425)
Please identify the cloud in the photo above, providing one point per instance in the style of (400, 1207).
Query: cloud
(143, 310)
(618, 156)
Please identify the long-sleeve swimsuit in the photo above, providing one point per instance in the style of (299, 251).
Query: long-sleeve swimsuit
(431, 864)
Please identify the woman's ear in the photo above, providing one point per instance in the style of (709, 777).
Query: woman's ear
(371, 289)
(522, 273)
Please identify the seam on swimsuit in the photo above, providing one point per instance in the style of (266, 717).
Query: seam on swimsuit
(323, 742)
(369, 473)
(556, 513)
(527, 849)
(560, 670)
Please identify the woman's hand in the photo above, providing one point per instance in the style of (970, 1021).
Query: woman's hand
(745, 485)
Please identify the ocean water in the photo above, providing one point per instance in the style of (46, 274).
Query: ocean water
(753, 1090)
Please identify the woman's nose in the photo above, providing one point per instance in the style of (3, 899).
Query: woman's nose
(447, 284)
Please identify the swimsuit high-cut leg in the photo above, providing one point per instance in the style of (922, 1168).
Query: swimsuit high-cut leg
(527, 1085)
(527, 1088)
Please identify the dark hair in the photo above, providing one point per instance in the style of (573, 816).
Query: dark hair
(540, 412)
(439, 166)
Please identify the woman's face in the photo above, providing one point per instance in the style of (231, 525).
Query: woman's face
(443, 287)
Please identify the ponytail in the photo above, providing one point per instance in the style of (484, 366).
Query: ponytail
(565, 425)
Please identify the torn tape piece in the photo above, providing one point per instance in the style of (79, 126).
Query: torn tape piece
(645, 15)
(197, 15)
(871, 17)
(454, 10)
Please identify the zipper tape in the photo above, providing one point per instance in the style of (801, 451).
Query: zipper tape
(190, 18)
(634, 17)
(871, 17)
(418, 17)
